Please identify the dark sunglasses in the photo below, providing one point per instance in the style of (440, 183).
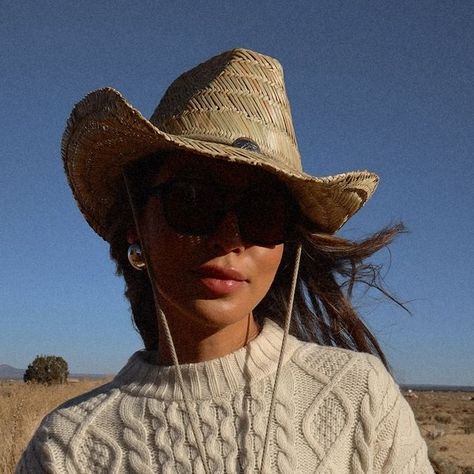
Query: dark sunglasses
(265, 213)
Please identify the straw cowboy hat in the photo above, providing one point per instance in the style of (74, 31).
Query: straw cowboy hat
(232, 107)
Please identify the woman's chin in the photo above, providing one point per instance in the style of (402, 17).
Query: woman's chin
(219, 314)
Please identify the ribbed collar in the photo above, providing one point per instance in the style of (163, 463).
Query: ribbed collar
(209, 379)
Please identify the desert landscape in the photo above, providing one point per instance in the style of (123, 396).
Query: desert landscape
(446, 421)
(23, 406)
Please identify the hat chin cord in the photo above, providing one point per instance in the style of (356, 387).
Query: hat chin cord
(192, 414)
(286, 331)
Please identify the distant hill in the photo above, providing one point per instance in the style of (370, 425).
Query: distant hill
(438, 388)
(9, 372)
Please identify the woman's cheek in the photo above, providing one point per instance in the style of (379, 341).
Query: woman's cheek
(266, 263)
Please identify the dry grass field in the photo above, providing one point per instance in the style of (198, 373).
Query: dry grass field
(446, 421)
(23, 406)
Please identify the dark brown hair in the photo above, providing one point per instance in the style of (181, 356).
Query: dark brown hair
(330, 268)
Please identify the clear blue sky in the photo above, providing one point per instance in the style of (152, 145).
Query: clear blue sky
(385, 86)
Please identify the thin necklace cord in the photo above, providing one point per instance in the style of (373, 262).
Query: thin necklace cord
(192, 415)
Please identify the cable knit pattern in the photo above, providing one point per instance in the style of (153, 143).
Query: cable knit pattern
(362, 459)
(134, 435)
(159, 425)
(336, 412)
(284, 428)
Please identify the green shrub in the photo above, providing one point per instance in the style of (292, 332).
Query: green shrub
(47, 370)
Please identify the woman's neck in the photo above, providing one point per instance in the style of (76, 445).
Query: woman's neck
(198, 343)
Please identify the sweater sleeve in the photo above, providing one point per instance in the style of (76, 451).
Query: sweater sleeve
(398, 445)
(37, 457)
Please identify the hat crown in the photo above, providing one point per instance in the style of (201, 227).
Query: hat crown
(237, 94)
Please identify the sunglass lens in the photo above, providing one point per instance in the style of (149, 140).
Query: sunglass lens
(191, 207)
(264, 216)
(197, 208)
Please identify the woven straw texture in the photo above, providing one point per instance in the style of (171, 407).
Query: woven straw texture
(237, 94)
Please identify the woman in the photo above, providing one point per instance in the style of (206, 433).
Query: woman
(233, 274)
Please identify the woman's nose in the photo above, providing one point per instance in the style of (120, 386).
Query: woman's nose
(227, 234)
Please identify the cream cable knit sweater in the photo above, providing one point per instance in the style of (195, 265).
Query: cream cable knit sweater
(336, 412)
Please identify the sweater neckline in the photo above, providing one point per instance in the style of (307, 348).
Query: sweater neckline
(244, 367)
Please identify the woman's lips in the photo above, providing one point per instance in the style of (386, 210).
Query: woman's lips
(220, 280)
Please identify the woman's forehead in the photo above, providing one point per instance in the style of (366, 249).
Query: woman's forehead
(223, 172)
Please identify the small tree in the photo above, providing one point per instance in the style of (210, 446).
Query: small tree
(47, 370)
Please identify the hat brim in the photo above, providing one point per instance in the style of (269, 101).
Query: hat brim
(105, 133)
